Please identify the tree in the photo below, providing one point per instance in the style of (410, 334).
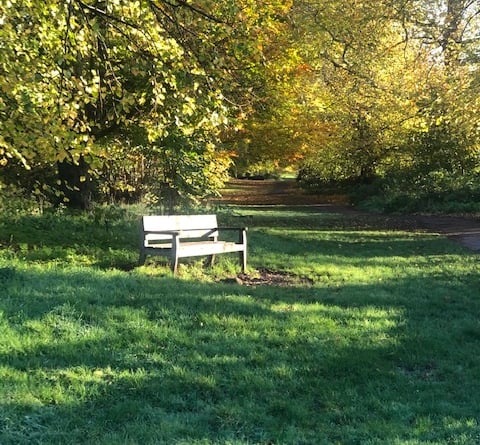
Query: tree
(391, 75)
(91, 71)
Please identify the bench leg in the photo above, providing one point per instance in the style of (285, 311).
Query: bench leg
(210, 260)
(174, 254)
(243, 260)
(174, 264)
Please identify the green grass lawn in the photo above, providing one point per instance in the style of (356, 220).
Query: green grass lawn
(381, 346)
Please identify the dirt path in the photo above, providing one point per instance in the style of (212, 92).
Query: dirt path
(465, 230)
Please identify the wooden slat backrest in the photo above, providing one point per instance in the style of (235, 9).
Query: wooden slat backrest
(195, 226)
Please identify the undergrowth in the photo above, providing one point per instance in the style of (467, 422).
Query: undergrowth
(436, 192)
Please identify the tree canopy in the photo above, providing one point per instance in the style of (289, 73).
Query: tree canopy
(117, 99)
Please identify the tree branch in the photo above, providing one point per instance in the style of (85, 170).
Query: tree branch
(195, 9)
(105, 14)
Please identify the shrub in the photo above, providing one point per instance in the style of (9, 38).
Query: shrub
(436, 191)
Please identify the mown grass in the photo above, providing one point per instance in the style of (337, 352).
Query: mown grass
(381, 347)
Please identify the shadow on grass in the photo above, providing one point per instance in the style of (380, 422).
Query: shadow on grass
(321, 216)
(320, 254)
(107, 357)
(71, 239)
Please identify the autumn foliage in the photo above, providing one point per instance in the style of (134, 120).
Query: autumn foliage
(108, 100)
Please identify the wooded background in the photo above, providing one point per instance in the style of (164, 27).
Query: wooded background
(156, 100)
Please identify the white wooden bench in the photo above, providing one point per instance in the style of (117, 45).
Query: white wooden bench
(180, 236)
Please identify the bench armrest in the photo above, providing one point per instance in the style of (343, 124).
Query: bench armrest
(242, 233)
(211, 232)
(233, 228)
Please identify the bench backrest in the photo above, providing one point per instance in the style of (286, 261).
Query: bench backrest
(195, 226)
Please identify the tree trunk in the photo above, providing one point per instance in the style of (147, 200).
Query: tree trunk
(76, 183)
